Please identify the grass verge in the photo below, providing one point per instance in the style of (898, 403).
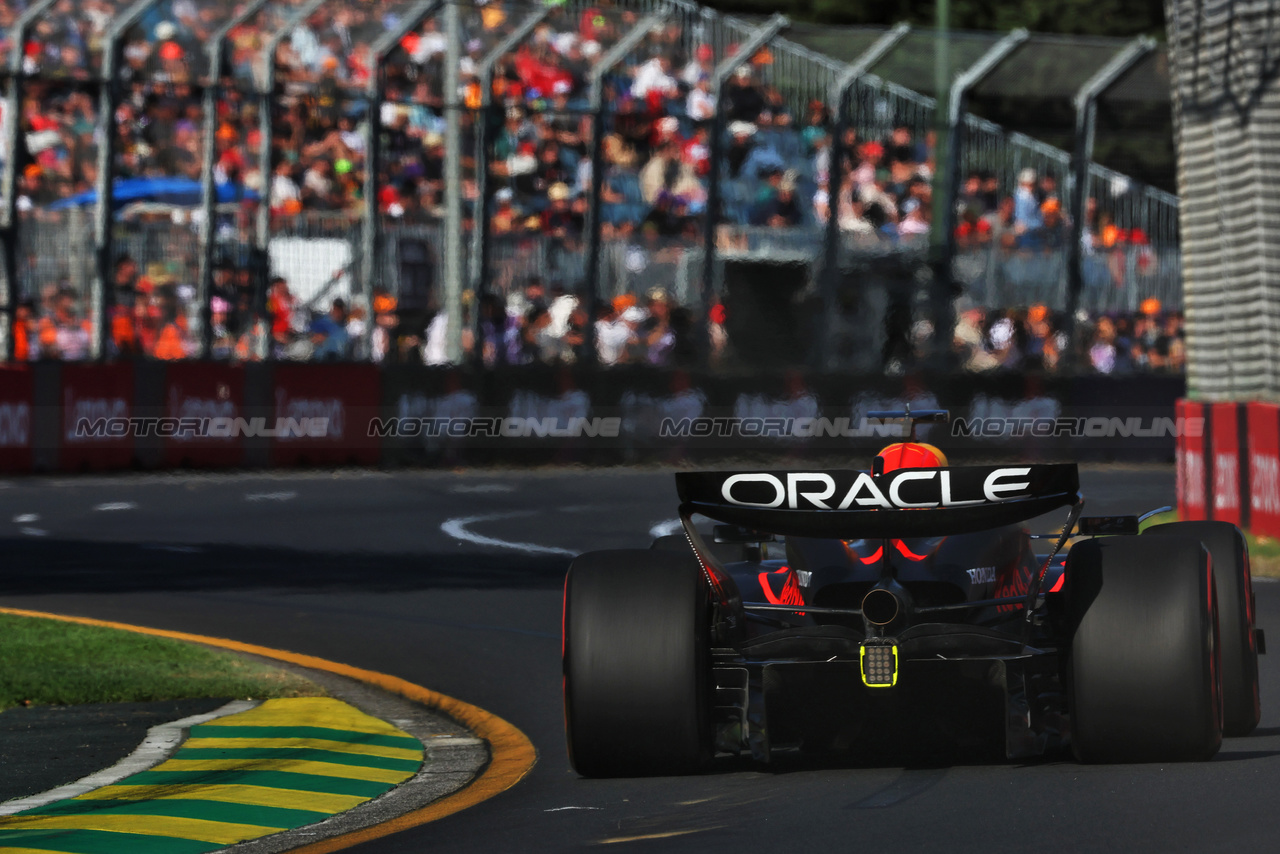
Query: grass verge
(1264, 552)
(44, 662)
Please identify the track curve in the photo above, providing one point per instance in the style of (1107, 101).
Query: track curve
(355, 567)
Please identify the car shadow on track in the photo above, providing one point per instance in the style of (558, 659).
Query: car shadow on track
(938, 758)
(77, 566)
(1244, 755)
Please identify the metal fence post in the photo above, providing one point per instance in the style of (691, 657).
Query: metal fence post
(260, 256)
(217, 51)
(615, 55)
(266, 91)
(452, 184)
(375, 92)
(759, 39)
(943, 239)
(208, 193)
(13, 105)
(12, 130)
(942, 127)
(102, 295)
(1086, 104)
(835, 174)
(480, 216)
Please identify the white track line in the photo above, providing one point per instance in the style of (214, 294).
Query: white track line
(666, 529)
(26, 518)
(155, 748)
(480, 488)
(115, 505)
(457, 528)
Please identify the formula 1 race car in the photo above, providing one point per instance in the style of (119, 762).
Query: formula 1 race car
(859, 613)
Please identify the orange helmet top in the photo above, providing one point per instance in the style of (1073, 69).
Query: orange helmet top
(912, 455)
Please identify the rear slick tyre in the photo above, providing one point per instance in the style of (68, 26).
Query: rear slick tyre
(636, 664)
(1241, 701)
(1143, 675)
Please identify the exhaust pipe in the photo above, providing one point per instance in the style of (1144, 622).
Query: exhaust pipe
(881, 606)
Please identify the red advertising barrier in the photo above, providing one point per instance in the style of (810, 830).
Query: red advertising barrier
(1190, 458)
(117, 416)
(1224, 434)
(322, 414)
(212, 395)
(1264, 468)
(15, 419)
(97, 400)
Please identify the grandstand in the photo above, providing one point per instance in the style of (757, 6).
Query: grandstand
(266, 179)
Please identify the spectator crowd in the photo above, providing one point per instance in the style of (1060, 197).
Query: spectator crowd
(776, 172)
(546, 324)
(1035, 339)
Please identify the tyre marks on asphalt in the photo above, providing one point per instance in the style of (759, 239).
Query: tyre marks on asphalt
(284, 764)
(667, 834)
(909, 784)
(698, 815)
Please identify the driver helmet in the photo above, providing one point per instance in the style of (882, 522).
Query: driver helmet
(911, 455)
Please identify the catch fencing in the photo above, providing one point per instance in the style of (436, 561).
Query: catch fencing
(305, 141)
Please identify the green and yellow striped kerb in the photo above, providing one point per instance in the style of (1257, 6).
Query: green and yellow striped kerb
(285, 764)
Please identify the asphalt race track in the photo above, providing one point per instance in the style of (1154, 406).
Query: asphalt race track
(355, 567)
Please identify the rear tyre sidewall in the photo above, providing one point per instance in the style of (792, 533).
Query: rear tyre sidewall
(1234, 586)
(670, 543)
(1143, 673)
(636, 664)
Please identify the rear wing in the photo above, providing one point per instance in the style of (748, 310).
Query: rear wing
(849, 504)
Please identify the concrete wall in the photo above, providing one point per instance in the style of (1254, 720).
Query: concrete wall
(1226, 91)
